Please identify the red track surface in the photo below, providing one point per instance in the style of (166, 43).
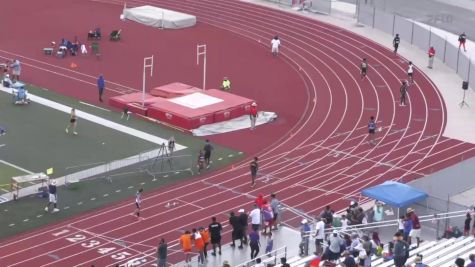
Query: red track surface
(324, 159)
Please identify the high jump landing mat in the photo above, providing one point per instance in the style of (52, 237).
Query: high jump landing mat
(199, 108)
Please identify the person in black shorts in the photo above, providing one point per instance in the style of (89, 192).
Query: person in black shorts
(138, 202)
(208, 148)
(371, 130)
(396, 42)
(364, 68)
(72, 122)
(215, 229)
(254, 166)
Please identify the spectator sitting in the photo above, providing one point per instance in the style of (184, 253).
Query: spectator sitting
(334, 248)
(6, 81)
(418, 262)
(21, 96)
(226, 264)
(355, 245)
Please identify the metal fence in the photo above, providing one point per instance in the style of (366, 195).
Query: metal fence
(419, 35)
(273, 258)
(153, 162)
(316, 6)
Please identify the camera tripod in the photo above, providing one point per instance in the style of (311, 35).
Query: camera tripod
(463, 103)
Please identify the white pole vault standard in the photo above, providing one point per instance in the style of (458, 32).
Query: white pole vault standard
(201, 50)
(147, 63)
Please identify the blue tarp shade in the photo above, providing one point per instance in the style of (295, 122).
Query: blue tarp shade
(395, 194)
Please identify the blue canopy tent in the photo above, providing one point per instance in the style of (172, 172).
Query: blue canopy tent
(395, 194)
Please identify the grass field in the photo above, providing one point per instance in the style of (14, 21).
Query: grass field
(36, 140)
(6, 172)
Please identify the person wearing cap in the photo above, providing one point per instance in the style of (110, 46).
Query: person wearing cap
(215, 229)
(6, 82)
(53, 197)
(416, 226)
(253, 115)
(226, 264)
(254, 167)
(305, 237)
(226, 84)
(243, 219)
(334, 248)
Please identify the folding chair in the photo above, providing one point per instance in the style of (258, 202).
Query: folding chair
(115, 35)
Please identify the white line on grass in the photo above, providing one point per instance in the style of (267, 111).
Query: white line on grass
(16, 167)
(91, 105)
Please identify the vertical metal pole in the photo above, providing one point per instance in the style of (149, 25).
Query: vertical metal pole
(147, 63)
(394, 23)
(446, 215)
(445, 47)
(201, 50)
(357, 11)
(458, 56)
(430, 35)
(468, 73)
(374, 14)
(412, 32)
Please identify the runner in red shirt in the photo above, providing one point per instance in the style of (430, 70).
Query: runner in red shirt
(253, 115)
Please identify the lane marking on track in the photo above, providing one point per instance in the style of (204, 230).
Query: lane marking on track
(94, 106)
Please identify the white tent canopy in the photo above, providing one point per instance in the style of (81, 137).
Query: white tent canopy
(159, 17)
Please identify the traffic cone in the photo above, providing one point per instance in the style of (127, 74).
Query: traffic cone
(73, 65)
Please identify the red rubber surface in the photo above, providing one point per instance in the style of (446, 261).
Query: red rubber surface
(314, 86)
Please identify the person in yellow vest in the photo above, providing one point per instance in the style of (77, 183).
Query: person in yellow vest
(226, 85)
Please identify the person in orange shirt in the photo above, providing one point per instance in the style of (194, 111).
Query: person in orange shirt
(185, 242)
(205, 235)
(199, 245)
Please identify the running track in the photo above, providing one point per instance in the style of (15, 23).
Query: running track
(323, 160)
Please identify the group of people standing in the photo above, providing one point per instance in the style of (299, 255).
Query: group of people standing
(200, 239)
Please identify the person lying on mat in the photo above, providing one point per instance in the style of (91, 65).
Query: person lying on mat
(226, 85)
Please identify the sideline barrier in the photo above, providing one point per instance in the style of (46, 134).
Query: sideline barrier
(420, 35)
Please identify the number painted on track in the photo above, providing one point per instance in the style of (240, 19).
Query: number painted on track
(105, 250)
(136, 261)
(120, 255)
(62, 232)
(76, 238)
(91, 244)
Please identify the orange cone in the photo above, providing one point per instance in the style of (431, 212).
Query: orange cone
(73, 65)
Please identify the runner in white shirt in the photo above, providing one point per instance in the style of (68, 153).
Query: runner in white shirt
(275, 43)
(255, 216)
(138, 202)
(410, 72)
